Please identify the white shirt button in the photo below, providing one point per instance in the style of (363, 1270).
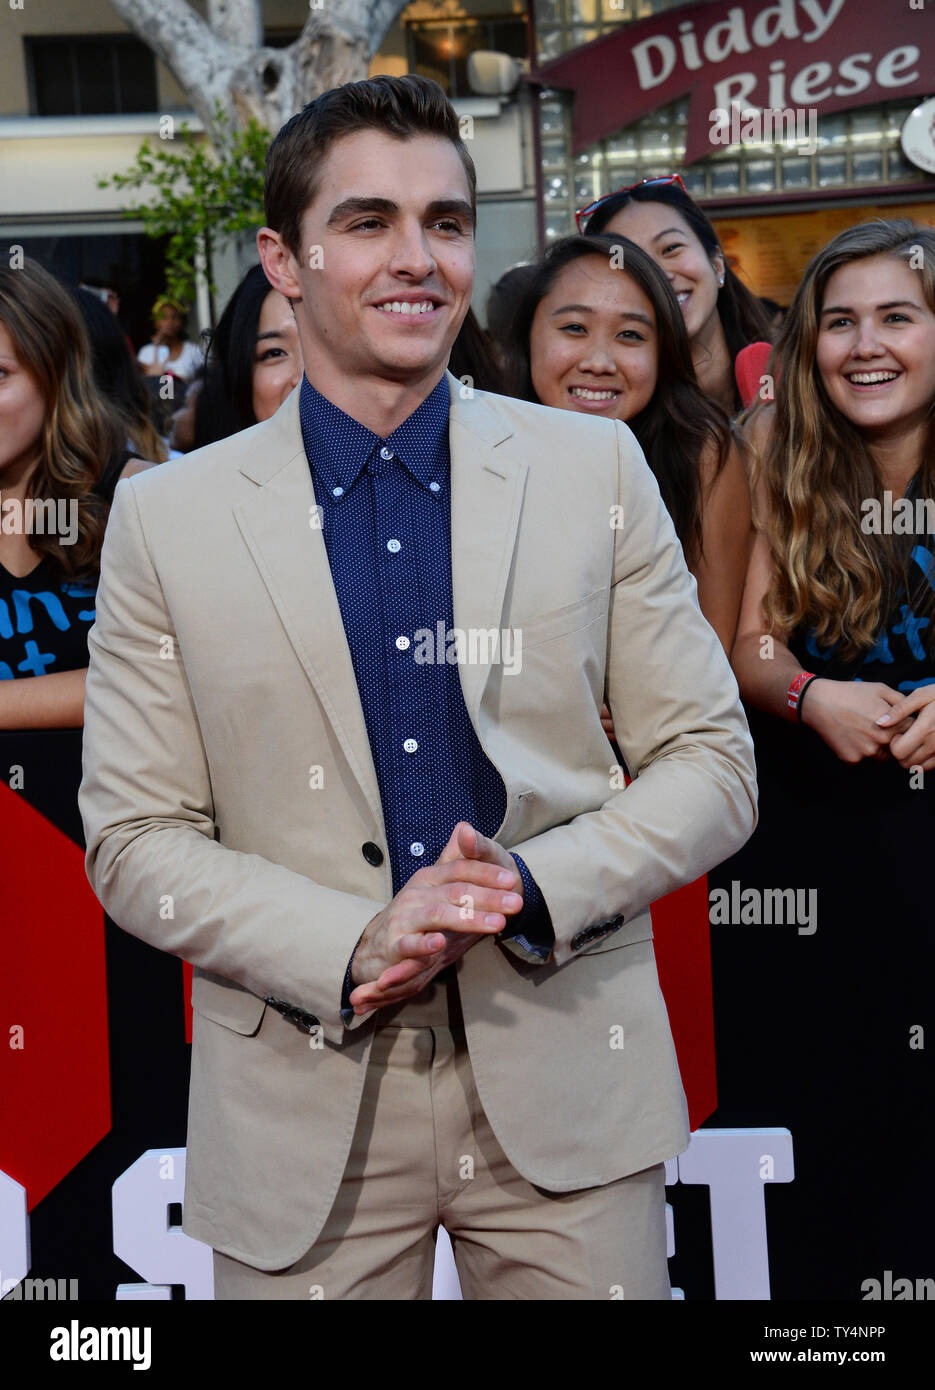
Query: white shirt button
(393, 545)
(435, 487)
(402, 643)
(417, 848)
(337, 492)
(386, 453)
(410, 745)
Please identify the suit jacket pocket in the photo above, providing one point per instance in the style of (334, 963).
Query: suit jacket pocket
(546, 626)
(217, 998)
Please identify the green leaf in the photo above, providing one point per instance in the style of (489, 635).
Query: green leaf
(193, 193)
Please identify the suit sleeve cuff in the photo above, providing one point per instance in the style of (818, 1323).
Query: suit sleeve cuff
(347, 1011)
(529, 934)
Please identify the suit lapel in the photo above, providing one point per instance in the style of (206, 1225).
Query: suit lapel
(486, 498)
(487, 486)
(290, 554)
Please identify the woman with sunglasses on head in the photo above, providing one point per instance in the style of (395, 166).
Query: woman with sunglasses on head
(835, 655)
(727, 326)
(598, 330)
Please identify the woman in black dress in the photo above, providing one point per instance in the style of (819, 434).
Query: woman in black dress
(821, 1019)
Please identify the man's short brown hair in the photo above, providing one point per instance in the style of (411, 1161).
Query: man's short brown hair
(400, 106)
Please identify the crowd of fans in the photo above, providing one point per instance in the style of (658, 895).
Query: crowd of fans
(769, 456)
(668, 340)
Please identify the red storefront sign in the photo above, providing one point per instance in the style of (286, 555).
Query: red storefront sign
(821, 55)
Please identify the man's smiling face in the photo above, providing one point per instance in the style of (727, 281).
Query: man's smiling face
(386, 260)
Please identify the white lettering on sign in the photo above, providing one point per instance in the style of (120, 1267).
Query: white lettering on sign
(660, 57)
(143, 1238)
(734, 1164)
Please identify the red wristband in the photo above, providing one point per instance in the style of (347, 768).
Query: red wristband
(794, 693)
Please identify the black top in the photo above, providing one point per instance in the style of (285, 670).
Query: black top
(44, 619)
(44, 622)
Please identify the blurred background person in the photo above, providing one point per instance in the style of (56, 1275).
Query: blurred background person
(56, 435)
(835, 657)
(727, 326)
(590, 337)
(473, 358)
(118, 378)
(775, 313)
(502, 302)
(169, 352)
(182, 422)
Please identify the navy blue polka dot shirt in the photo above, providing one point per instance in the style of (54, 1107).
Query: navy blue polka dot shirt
(385, 509)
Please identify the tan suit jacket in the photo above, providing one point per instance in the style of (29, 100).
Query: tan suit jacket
(220, 679)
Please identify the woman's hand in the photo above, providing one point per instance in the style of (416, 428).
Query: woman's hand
(912, 722)
(845, 714)
(607, 723)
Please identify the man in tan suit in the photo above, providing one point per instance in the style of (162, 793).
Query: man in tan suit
(367, 1065)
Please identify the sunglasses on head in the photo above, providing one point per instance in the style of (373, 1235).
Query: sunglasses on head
(583, 214)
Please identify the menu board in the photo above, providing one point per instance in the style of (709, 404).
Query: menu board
(770, 253)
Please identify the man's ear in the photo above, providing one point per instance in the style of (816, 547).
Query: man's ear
(278, 263)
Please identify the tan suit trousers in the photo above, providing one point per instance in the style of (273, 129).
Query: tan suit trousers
(424, 1155)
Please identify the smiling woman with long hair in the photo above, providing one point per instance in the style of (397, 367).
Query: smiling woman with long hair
(835, 657)
(599, 330)
(56, 437)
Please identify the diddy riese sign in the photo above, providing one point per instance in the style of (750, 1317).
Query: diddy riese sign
(816, 55)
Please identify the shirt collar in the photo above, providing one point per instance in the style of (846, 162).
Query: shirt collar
(337, 446)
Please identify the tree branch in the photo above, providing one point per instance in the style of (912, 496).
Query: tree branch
(379, 18)
(198, 57)
(240, 22)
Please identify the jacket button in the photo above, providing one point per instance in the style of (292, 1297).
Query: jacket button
(372, 853)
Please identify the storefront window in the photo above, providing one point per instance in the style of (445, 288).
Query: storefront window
(761, 176)
(832, 170)
(796, 173)
(868, 166)
(440, 49)
(559, 22)
(853, 148)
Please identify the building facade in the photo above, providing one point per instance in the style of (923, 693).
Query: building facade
(613, 91)
(79, 93)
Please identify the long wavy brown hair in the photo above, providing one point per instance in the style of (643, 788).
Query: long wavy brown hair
(816, 469)
(79, 435)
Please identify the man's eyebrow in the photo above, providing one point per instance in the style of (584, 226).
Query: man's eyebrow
(892, 304)
(353, 207)
(587, 309)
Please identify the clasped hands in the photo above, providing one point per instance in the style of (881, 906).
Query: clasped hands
(860, 719)
(443, 910)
